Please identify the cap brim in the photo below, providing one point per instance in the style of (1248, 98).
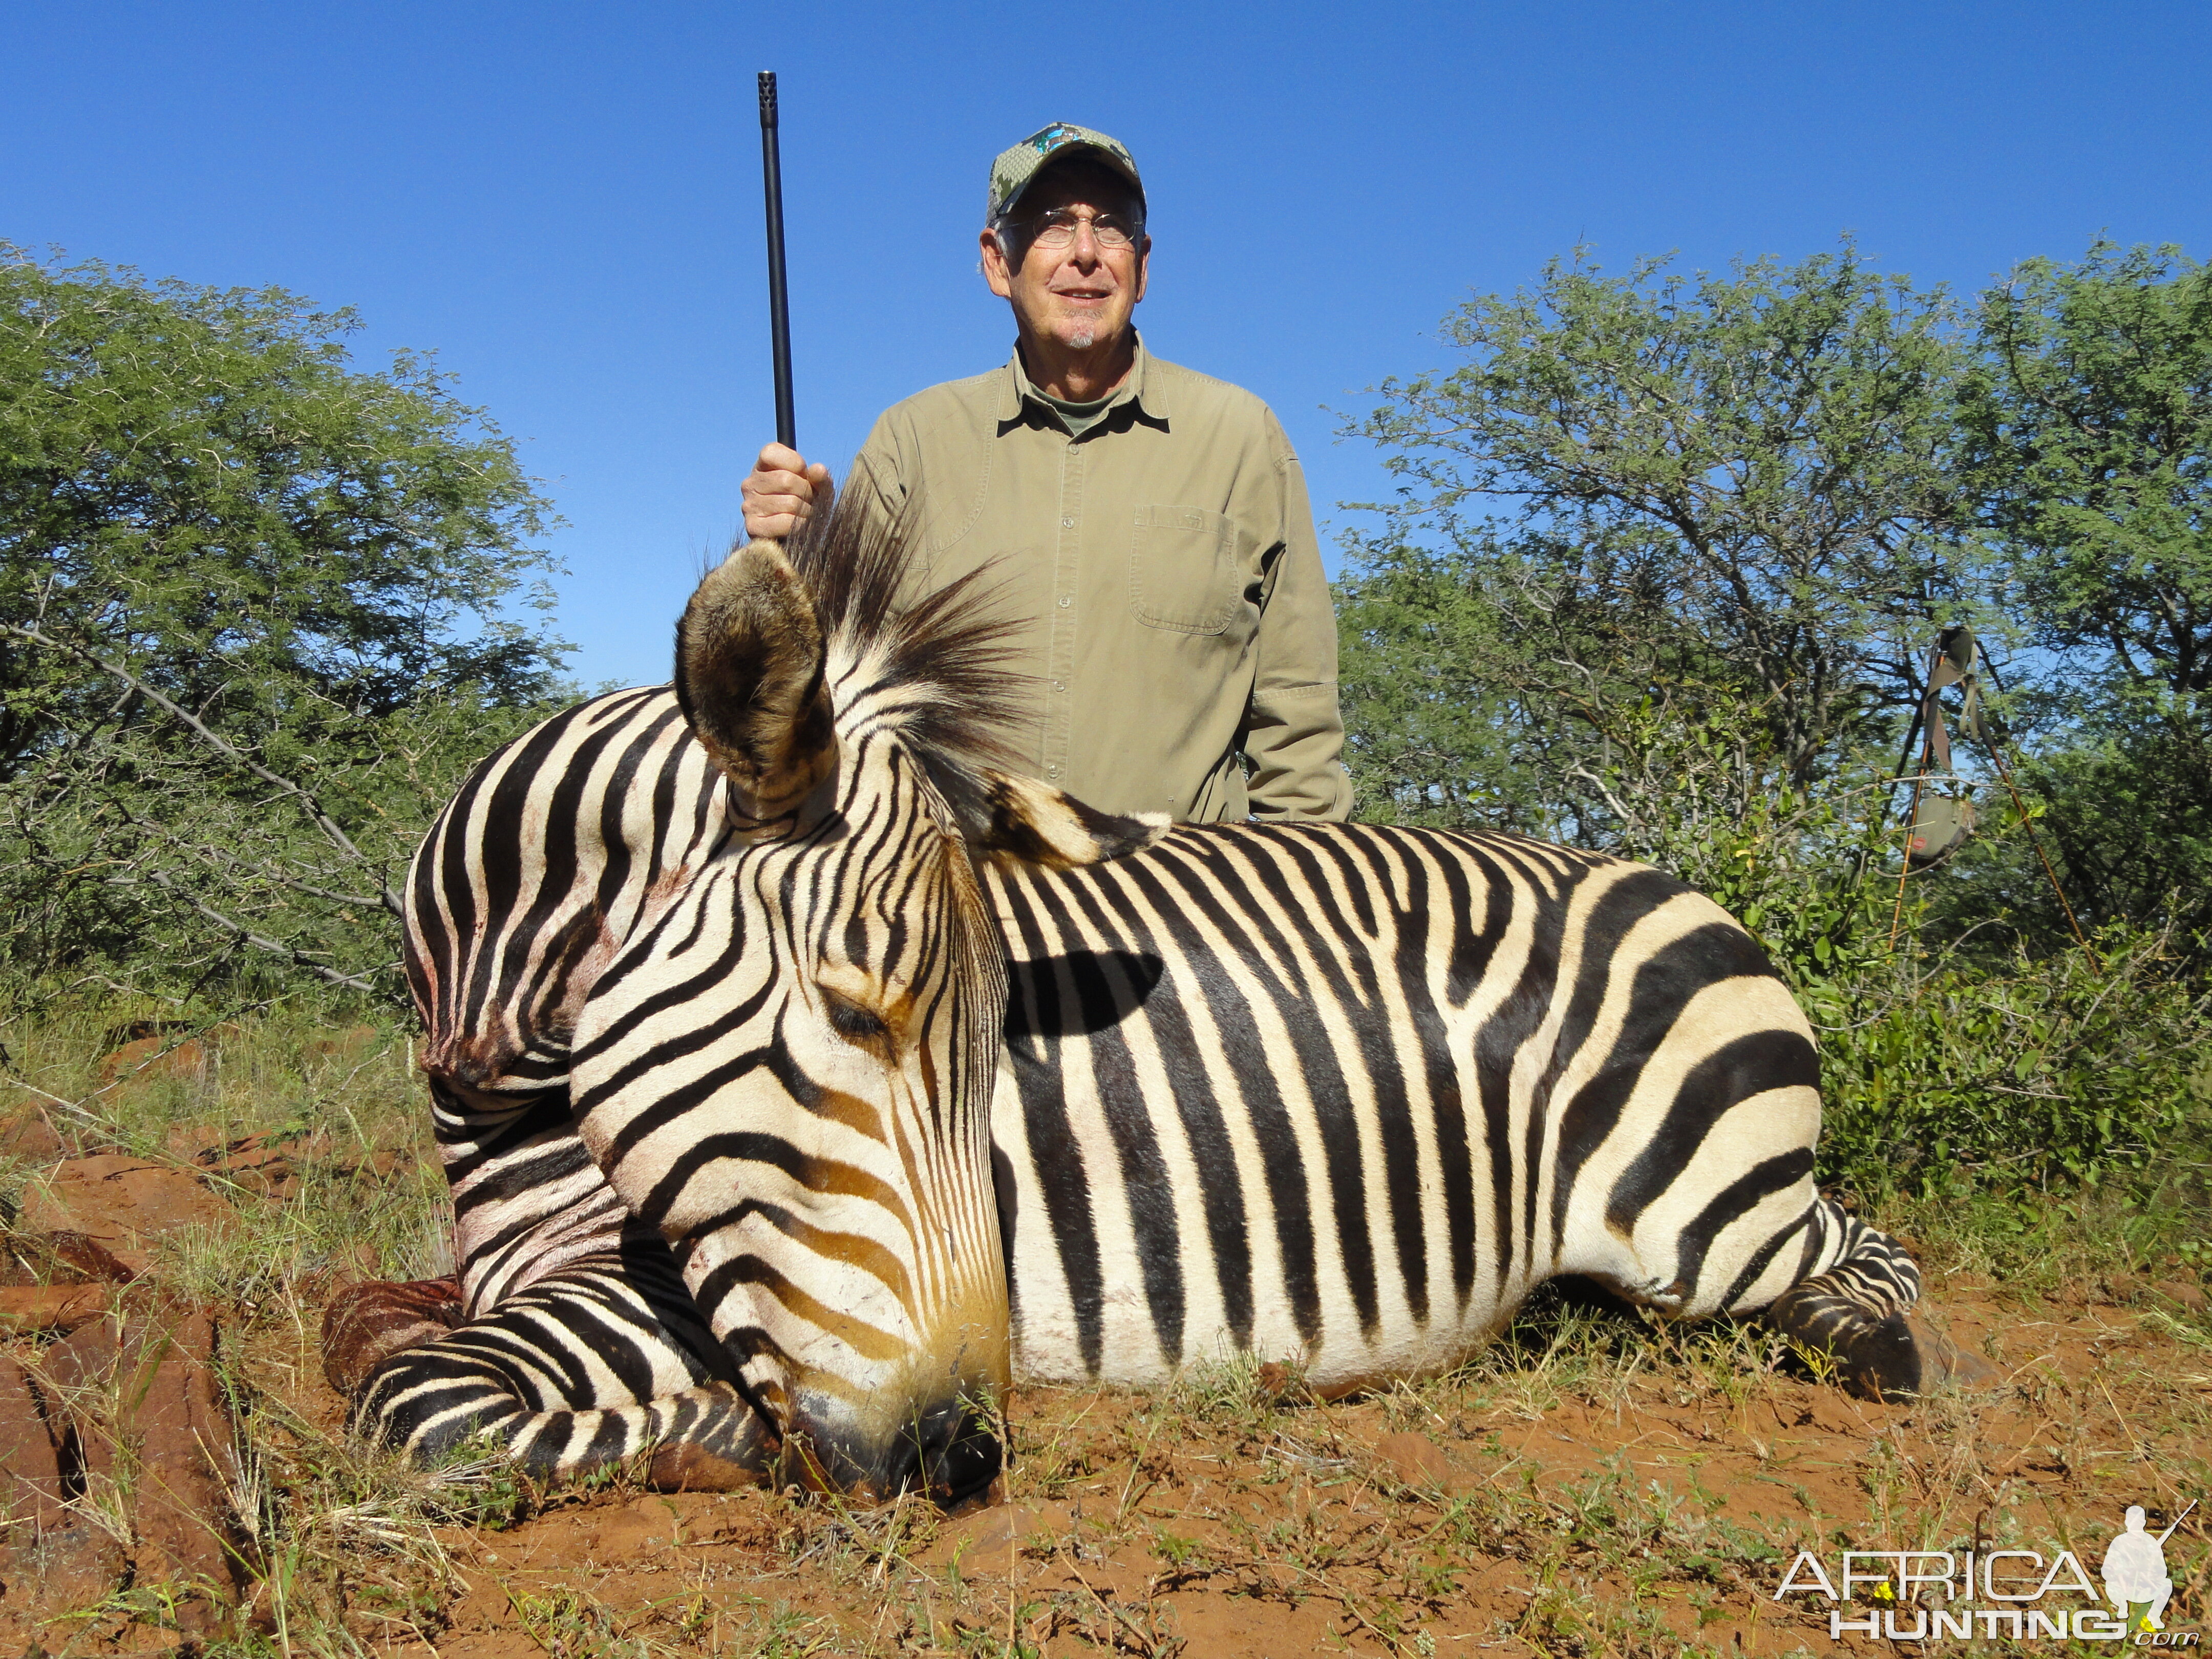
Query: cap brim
(1074, 147)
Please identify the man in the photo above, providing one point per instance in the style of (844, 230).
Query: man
(1148, 525)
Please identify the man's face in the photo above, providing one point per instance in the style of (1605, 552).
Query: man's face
(1081, 296)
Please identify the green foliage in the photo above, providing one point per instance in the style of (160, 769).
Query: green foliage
(255, 621)
(1729, 487)
(138, 859)
(192, 481)
(1667, 558)
(2089, 425)
(2130, 818)
(2041, 1073)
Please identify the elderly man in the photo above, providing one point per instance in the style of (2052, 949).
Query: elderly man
(1149, 524)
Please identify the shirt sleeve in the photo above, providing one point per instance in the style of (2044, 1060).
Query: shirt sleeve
(879, 468)
(1293, 732)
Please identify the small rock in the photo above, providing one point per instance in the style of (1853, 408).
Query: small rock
(123, 1204)
(27, 1308)
(59, 1259)
(169, 1441)
(30, 1467)
(25, 1134)
(2183, 1294)
(1416, 1460)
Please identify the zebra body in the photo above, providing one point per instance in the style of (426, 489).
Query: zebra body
(1343, 1095)
(796, 1089)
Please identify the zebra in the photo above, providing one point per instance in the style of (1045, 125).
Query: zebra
(1337, 1095)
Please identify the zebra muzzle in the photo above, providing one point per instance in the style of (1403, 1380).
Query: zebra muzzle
(950, 1451)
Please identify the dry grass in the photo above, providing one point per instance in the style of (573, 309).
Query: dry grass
(1607, 1486)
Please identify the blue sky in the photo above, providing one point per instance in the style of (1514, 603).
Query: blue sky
(562, 201)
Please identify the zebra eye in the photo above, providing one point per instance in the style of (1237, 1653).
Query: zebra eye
(851, 1021)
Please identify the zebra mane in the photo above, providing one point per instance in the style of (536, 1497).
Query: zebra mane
(936, 667)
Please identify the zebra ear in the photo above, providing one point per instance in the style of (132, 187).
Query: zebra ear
(749, 679)
(1025, 822)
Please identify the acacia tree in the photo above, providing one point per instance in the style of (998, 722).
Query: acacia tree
(1651, 516)
(242, 588)
(2088, 418)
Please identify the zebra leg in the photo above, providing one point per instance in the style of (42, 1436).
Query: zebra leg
(600, 1363)
(1858, 1308)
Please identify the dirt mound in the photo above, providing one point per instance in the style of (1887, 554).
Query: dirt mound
(117, 1443)
(123, 1204)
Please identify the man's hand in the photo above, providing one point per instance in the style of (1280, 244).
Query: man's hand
(782, 492)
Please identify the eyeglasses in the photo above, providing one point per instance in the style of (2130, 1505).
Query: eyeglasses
(1056, 230)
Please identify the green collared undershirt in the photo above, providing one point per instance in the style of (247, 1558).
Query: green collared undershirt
(1079, 417)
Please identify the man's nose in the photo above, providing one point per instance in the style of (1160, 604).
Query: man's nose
(1085, 249)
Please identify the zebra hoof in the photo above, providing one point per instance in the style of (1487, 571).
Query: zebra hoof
(368, 1323)
(1905, 1358)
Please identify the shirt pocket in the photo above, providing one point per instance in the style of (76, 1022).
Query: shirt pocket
(1184, 575)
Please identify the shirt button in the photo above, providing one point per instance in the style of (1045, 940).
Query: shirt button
(1065, 600)
(1059, 685)
(1068, 524)
(1052, 771)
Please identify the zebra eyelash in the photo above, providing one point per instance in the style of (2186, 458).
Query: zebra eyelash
(856, 1024)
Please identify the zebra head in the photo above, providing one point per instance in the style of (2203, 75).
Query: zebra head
(788, 1069)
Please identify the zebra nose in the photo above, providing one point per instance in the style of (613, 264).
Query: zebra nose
(959, 1453)
(948, 1450)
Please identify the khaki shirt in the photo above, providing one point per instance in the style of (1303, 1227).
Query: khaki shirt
(1166, 567)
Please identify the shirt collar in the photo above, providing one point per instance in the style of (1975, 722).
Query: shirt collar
(1145, 385)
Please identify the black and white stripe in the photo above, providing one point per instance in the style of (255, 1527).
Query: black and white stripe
(1343, 1095)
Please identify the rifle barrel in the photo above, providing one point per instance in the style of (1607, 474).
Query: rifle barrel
(2176, 1521)
(779, 298)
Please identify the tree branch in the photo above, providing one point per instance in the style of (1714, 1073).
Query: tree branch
(308, 804)
(259, 941)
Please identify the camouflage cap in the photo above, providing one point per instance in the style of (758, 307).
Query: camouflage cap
(1012, 173)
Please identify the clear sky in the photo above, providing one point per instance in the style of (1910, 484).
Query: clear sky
(563, 200)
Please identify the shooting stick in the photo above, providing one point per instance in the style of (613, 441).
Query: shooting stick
(779, 300)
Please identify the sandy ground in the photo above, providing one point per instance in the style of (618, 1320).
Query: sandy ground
(1647, 1500)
